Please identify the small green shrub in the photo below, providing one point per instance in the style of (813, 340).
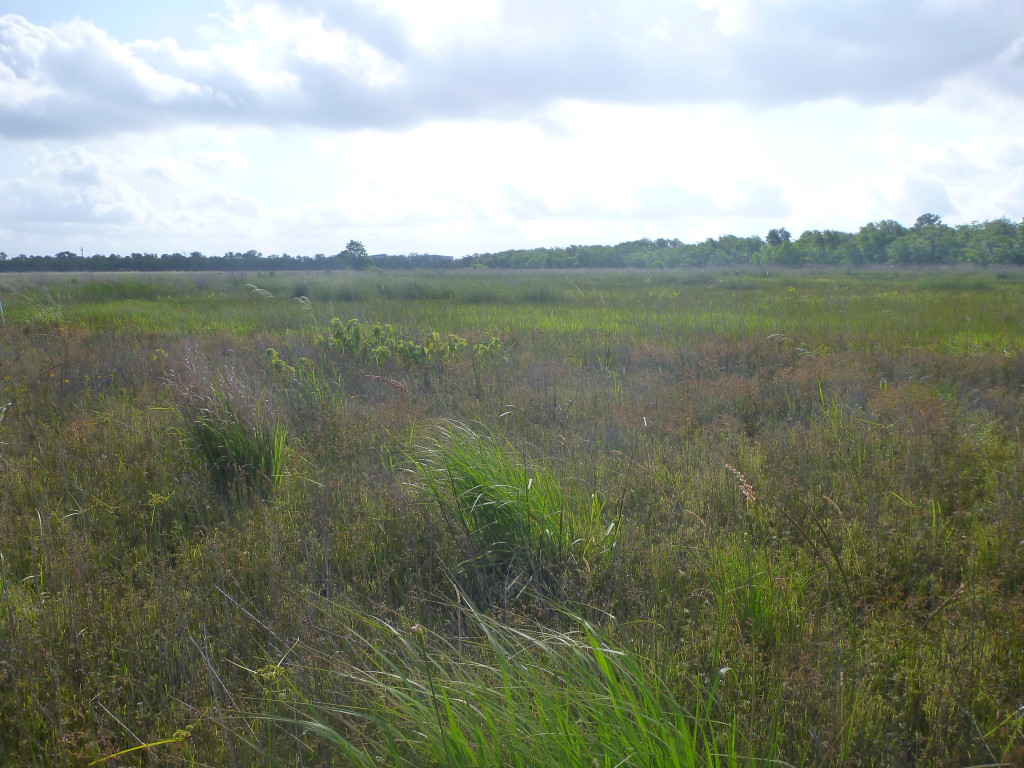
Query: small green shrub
(381, 343)
(39, 317)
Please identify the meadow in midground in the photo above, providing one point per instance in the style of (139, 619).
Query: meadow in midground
(566, 518)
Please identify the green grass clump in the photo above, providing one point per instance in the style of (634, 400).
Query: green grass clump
(233, 429)
(503, 695)
(509, 511)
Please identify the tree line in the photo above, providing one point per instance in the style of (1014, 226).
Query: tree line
(929, 241)
(354, 257)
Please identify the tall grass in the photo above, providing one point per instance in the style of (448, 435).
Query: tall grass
(232, 427)
(509, 511)
(501, 695)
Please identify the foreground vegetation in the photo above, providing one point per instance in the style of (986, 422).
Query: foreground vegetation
(586, 518)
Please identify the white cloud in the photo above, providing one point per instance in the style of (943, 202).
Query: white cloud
(220, 161)
(469, 125)
(350, 64)
(733, 15)
(924, 194)
(435, 25)
(70, 187)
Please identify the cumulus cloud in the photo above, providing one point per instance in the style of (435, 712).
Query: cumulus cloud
(464, 125)
(666, 202)
(661, 203)
(872, 51)
(354, 64)
(926, 196)
(75, 80)
(70, 187)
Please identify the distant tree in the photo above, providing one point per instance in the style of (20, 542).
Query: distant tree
(811, 244)
(873, 240)
(175, 261)
(356, 256)
(778, 236)
(990, 242)
(931, 242)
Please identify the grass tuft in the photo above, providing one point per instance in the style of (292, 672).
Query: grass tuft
(233, 428)
(509, 511)
(503, 695)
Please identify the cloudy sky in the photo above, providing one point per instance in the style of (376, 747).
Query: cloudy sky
(461, 126)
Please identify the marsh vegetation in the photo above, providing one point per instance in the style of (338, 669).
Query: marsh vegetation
(577, 518)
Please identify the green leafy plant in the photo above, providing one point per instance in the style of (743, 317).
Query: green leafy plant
(381, 343)
(277, 365)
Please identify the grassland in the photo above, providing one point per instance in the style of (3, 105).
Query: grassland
(688, 518)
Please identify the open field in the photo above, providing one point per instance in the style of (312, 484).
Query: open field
(629, 517)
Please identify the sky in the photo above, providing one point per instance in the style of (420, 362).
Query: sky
(472, 126)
